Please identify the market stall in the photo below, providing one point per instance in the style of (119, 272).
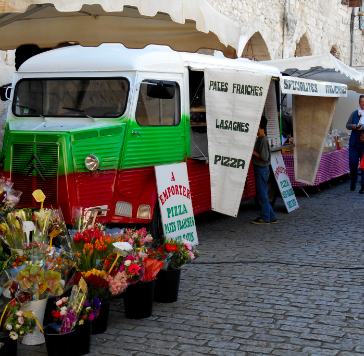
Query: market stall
(312, 122)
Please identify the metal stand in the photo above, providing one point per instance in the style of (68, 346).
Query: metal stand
(304, 192)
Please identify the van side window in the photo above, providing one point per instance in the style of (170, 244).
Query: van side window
(158, 104)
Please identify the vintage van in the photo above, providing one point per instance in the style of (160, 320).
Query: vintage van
(88, 125)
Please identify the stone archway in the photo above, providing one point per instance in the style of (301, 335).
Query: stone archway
(303, 47)
(256, 48)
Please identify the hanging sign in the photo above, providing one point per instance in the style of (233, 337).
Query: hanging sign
(283, 182)
(300, 86)
(175, 202)
(234, 105)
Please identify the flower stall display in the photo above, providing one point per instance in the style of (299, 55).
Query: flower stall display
(41, 220)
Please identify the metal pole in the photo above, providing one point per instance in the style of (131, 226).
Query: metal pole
(352, 35)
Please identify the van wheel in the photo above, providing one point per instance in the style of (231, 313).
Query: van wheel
(272, 193)
(156, 227)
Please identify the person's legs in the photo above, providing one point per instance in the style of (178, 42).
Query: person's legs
(261, 187)
(353, 163)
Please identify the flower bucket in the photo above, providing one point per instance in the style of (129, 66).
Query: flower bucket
(48, 317)
(81, 339)
(99, 324)
(167, 286)
(8, 346)
(38, 308)
(138, 300)
(57, 344)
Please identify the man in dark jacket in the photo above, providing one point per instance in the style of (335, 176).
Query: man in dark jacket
(356, 149)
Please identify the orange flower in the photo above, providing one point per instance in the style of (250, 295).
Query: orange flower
(84, 251)
(90, 253)
(78, 255)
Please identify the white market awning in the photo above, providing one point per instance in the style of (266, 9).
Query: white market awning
(323, 67)
(184, 25)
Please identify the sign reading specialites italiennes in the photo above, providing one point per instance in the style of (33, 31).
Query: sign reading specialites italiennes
(175, 202)
(283, 182)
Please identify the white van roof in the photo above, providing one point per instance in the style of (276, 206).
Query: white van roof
(116, 57)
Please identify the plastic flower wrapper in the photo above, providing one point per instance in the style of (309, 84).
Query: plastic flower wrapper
(34, 251)
(81, 217)
(74, 307)
(66, 268)
(57, 223)
(12, 229)
(41, 220)
(11, 200)
(151, 269)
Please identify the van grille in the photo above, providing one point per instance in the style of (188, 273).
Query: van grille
(23, 157)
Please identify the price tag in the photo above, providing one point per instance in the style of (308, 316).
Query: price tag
(39, 197)
(28, 226)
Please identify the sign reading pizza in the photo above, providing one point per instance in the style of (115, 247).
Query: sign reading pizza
(175, 202)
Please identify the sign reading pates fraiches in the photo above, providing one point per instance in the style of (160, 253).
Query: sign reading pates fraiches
(284, 184)
(175, 202)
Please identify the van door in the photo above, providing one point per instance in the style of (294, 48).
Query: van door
(156, 133)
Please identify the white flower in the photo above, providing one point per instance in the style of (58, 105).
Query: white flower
(21, 332)
(8, 327)
(19, 313)
(64, 299)
(63, 311)
(13, 335)
(122, 248)
(80, 322)
(59, 303)
(88, 308)
(127, 263)
(18, 326)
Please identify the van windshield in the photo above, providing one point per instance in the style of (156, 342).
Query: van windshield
(71, 97)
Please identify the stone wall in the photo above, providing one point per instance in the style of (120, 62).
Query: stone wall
(322, 26)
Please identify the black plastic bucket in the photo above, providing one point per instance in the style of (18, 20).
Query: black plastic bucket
(57, 344)
(8, 346)
(81, 339)
(48, 317)
(99, 324)
(167, 286)
(138, 300)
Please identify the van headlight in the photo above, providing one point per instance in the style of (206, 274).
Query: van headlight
(92, 162)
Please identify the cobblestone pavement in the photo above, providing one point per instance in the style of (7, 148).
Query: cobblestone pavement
(294, 288)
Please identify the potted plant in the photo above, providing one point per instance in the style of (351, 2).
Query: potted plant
(174, 254)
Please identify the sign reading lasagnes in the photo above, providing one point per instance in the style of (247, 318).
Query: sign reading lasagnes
(299, 86)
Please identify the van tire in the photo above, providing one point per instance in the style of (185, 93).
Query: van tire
(156, 227)
(272, 193)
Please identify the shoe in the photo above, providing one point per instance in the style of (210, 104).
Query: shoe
(273, 221)
(352, 187)
(361, 191)
(260, 221)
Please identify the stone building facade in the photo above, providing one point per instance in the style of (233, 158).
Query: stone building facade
(319, 27)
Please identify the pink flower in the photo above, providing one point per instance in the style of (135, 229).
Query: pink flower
(20, 320)
(130, 258)
(134, 268)
(188, 246)
(122, 268)
(191, 255)
(91, 316)
(19, 313)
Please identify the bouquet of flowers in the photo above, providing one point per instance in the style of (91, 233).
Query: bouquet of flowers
(97, 284)
(133, 266)
(41, 220)
(57, 224)
(137, 238)
(33, 251)
(90, 311)
(61, 308)
(11, 230)
(91, 247)
(16, 322)
(175, 254)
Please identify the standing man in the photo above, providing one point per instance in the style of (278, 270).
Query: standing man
(261, 162)
(356, 148)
